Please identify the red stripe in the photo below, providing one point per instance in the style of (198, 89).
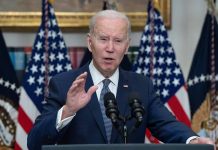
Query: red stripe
(151, 138)
(16, 146)
(178, 110)
(75, 65)
(24, 120)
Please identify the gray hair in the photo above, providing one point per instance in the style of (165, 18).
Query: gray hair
(109, 14)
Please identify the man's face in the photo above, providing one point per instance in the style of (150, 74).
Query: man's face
(108, 44)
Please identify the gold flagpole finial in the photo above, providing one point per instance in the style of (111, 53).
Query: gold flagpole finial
(211, 6)
(156, 4)
(51, 2)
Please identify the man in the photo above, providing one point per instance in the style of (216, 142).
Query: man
(73, 113)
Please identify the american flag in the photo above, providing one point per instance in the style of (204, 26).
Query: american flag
(34, 81)
(156, 59)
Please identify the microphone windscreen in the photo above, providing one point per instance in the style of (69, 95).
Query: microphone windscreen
(133, 96)
(109, 96)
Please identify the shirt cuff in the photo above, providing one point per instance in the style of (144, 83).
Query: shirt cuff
(191, 138)
(60, 124)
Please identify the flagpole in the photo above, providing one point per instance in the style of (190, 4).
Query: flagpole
(213, 80)
(46, 59)
(213, 105)
(151, 13)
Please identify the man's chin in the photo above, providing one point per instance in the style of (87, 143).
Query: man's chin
(109, 71)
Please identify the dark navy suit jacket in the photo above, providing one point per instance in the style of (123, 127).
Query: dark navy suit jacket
(87, 126)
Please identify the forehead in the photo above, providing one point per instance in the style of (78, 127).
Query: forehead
(111, 25)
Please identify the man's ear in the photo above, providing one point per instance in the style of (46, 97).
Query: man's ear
(89, 42)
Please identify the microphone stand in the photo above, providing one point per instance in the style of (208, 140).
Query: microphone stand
(125, 132)
(119, 121)
(122, 128)
(125, 129)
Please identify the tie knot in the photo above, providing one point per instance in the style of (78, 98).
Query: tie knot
(106, 82)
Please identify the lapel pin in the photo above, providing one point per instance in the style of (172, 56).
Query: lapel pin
(126, 86)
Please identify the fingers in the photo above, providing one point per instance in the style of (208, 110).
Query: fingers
(76, 86)
(92, 90)
(202, 140)
(79, 83)
(206, 141)
(83, 75)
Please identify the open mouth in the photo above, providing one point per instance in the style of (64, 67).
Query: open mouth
(108, 60)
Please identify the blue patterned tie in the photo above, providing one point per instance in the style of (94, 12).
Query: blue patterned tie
(107, 121)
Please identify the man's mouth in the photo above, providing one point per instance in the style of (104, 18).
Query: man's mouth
(108, 60)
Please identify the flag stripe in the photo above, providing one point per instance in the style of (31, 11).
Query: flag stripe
(182, 96)
(28, 106)
(21, 138)
(178, 110)
(17, 147)
(150, 137)
(179, 106)
(75, 59)
(24, 120)
(168, 107)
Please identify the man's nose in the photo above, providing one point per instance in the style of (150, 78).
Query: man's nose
(110, 46)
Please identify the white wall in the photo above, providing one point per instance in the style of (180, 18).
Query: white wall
(187, 21)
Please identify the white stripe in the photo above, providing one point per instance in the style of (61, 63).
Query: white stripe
(147, 140)
(28, 106)
(182, 96)
(21, 137)
(168, 107)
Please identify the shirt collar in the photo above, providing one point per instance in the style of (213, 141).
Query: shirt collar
(97, 77)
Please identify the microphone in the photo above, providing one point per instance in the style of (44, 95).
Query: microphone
(137, 110)
(111, 109)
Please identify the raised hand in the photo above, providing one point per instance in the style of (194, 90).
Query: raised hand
(77, 97)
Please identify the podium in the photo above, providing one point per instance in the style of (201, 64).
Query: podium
(129, 147)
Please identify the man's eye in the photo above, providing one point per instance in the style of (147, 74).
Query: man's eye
(118, 41)
(103, 39)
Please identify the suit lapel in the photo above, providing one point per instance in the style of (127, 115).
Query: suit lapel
(94, 107)
(122, 100)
